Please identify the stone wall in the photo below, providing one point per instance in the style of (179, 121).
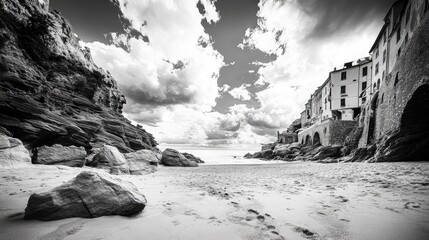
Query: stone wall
(410, 72)
(339, 130)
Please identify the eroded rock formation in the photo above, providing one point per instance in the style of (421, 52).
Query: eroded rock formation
(12, 152)
(51, 92)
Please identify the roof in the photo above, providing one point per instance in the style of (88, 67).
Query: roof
(356, 63)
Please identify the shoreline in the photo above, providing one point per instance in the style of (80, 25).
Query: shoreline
(270, 201)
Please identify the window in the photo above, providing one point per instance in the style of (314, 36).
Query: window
(384, 36)
(376, 69)
(378, 83)
(399, 52)
(396, 78)
(365, 71)
(406, 38)
(383, 75)
(343, 102)
(408, 15)
(398, 34)
(377, 52)
(343, 89)
(363, 99)
(363, 86)
(343, 75)
(384, 56)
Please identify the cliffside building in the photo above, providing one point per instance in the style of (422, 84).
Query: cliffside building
(348, 85)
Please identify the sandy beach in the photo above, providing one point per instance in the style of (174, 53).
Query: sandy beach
(270, 201)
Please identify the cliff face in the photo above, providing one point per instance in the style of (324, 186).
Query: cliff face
(51, 92)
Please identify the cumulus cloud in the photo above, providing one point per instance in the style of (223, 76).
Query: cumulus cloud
(241, 93)
(173, 67)
(307, 60)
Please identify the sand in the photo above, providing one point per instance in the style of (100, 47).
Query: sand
(272, 201)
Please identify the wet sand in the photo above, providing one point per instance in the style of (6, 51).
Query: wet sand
(272, 201)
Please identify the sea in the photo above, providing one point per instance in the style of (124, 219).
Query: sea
(220, 156)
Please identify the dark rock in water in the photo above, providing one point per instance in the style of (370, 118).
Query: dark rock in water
(59, 155)
(328, 152)
(267, 154)
(51, 92)
(172, 157)
(12, 152)
(257, 155)
(192, 158)
(248, 156)
(88, 195)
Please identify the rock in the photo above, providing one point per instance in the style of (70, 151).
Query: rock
(269, 146)
(172, 157)
(109, 158)
(88, 195)
(143, 161)
(281, 150)
(51, 92)
(267, 154)
(71, 156)
(12, 152)
(328, 152)
(192, 158)
(248, 156)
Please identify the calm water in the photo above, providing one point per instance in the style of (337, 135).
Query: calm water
(221, 156)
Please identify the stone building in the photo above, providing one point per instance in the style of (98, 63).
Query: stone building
(348, 84)
(399, 106)
(326, 100)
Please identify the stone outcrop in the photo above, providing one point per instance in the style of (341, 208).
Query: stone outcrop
(51, 92)
(59, 155)
(173, 158)
(12, 152)
(143, 161)
(88, 195)
(134, 163)
(192, 158)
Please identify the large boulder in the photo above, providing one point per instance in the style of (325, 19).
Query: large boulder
(192, 158)
(328, 152)
(88, 195)
(143, 161)
(60, 155)
(109, 158)
(172, 157)
(12, 152)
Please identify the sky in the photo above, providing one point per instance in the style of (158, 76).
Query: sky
(221, 73)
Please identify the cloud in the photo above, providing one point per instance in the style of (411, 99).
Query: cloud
(241, 93)
(173, 67)
(307, 60)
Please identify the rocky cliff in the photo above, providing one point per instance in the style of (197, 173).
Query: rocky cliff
(51, 92)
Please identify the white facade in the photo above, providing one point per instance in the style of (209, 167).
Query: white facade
(348, 84)
(326, 100)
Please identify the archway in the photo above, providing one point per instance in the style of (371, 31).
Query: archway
(308, 140)
(412, 142)
(316, 139)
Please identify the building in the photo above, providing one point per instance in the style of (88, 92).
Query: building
(347, 86)
(326, 100)
(399, 75)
